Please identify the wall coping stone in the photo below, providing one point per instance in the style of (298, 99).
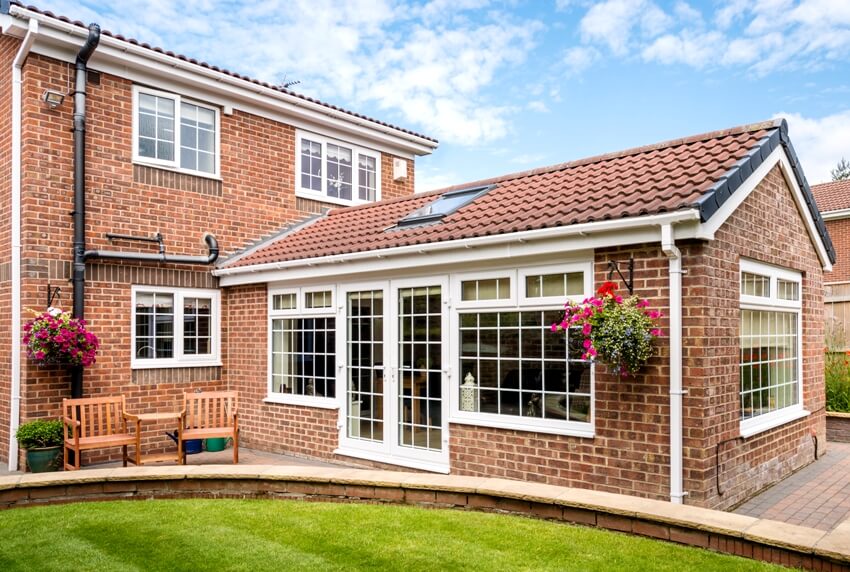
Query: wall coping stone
(839, 414)
(833, 545)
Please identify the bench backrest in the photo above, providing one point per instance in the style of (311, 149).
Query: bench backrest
(209, 409)
(98, 416)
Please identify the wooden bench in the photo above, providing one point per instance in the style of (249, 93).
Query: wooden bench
(97, 423)
(208, 415)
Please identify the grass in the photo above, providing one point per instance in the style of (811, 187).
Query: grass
(254, 535)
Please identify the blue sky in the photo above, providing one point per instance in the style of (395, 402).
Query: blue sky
(513, 85)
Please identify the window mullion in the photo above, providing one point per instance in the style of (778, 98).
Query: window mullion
(178, 114)
(178, 325)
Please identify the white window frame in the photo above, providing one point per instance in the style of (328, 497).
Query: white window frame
(356, 150)
(767, 421)
(175, 164)
(300, 311)
(523, 273)
(515, 304)
(179, 360)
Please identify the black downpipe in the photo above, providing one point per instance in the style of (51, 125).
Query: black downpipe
(79, 269)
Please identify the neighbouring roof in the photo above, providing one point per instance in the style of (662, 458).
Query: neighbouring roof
(133, 41)
(833, 196)
(699, 172)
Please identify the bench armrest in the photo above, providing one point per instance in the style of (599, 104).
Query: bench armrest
(71, 422)
(130, 416)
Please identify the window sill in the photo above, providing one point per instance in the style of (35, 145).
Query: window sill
(319, 403)
(161, 364)
(575, 430)
(394, 460)
(199, 174)
(755, 426)
(320, 198)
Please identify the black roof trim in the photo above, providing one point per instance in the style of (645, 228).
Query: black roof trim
(727, 184)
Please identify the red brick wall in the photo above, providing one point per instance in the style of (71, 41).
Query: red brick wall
(254, 198)
(8, 48)
(839, 231)
(766, 228)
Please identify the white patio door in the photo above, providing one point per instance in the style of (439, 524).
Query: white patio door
(395, 374)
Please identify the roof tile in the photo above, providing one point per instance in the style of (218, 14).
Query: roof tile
(832, 196)
(659, 178)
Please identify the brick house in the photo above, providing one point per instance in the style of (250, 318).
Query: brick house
(413, 331)
(429, 346)
(833, 200)
(247, 158)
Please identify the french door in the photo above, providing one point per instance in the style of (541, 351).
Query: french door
(394, 370)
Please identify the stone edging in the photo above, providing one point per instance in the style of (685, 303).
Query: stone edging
(746, 536)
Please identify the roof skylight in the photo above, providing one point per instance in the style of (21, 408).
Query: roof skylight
(446, 204)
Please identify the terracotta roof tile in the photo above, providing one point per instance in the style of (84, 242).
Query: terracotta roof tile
(655, 179)
(224, 71)
(832, 196)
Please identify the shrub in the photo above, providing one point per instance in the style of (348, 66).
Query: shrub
(836, 372)
(40, 433)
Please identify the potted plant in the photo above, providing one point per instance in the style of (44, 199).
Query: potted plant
(42, 439)
(614, 330)
(55, 337)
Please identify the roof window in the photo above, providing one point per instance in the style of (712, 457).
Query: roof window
(446, 204)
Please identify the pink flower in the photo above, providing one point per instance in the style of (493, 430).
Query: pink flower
(587, 344)
(656, 332)
(618, 299)
(654, 314)
(586, 329)
(39, 355)
(642, 304)
(592, 352)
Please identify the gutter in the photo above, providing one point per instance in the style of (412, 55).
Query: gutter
(17, 94)
(623, 224)
(674, 256)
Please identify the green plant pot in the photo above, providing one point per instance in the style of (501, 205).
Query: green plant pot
(216, 444)
(44, 460)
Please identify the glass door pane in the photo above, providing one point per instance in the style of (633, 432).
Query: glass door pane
(365, 365)
(420, 368)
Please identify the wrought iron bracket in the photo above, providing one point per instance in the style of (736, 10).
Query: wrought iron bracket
(52, 294)
(614, 266)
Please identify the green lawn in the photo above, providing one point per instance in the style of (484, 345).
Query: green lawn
(290, 535)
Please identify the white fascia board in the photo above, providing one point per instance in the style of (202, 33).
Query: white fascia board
(709, 228)
(547, 241)
(62, 41)
(836, 214)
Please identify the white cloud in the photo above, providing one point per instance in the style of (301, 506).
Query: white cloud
(696, 50)
(429, 179)
(579, 58)
(819, 142)
(538, 106)
(427, 66)
(613, 22)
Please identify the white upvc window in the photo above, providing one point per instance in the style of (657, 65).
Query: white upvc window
(175, 327)
(771, 370)
(174, 132)
(302, 346)
(334, 171)
(513, 372)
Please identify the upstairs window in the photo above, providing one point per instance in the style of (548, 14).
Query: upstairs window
(172, 132)
(335, 171)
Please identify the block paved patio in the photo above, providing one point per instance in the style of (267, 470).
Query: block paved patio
(817, 496)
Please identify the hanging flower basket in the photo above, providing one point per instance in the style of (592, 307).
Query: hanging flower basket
(614, 330)
(54, 337)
